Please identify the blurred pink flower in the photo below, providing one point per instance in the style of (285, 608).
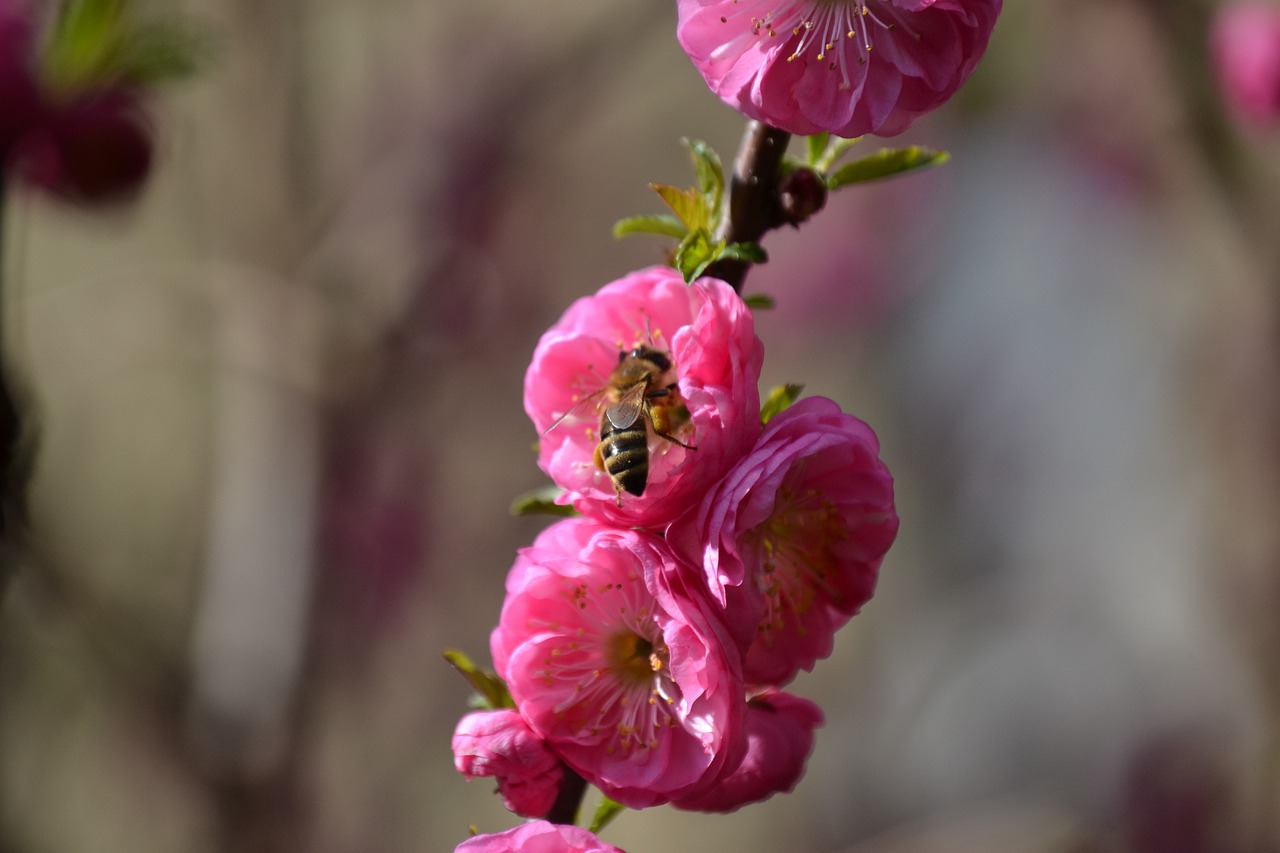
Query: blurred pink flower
(634, 683)
(500, 744)
(802, 522)
(95, 148)
(709, 334)
(89, 145)
(779, 739)
(19, 97)
(847, 66)
(1245, 43)
(537, 836)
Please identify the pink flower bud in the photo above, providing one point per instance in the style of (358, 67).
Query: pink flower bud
(846, 66)
(802, 522)
(1246, 55)
(707, 334)
(627, 673)
(537, 836)
(779, 739)
(500, 744)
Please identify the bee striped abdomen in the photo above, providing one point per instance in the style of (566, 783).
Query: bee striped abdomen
(624, 454)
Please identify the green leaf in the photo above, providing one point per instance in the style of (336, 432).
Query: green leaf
(709, 175)
(759, 302)
(835, 151)
(542, 501)
(160, 52)
(686, 204)
(491, 690)
(97, 42)
(85, 39)
(778, 401)
(885, 163)
(750, 253)
(694, 254)
(817, 146)
(605, 813)
(658, 223)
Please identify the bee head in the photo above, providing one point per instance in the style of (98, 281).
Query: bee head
(656, 357)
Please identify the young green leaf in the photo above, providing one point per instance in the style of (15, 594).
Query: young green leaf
(885, 163)
(86, 37)
(835, 151)
(694, 254)
(542, 501)
(759, 302)
(778, 401)
(492, 692)
(658, 223)
(750, 253)
(159, 52)
(605, 813)
(686, 204)
(709, 175)
(817, 146)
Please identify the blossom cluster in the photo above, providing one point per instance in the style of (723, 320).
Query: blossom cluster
(646, 643)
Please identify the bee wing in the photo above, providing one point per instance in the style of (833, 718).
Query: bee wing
(629, 407)
(575, 408)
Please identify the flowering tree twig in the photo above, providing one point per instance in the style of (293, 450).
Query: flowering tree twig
(754, 208)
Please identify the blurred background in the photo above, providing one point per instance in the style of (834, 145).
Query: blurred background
(279, 406)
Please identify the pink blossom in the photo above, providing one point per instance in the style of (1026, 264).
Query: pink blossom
(1246, 55)
(631, 680)
(537, 836)
(707, 332)
(846, 66)
(94, 149)
(500, 744)
(802, 523)
(779, 739)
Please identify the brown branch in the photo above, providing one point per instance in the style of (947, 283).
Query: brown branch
(754, 204)
(572, 789)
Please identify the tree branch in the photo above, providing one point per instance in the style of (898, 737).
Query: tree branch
(754, 206)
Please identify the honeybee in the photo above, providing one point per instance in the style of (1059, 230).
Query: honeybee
(636, 398)
(632, 400)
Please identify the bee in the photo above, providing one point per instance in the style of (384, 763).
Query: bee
(636, 399)
(632, 400)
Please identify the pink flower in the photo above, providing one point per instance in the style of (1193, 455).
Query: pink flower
(779, 739)
(630, 679)
(1246, 55)
(707, 333)
(500, 744)
(846, 66)
(95, 149)
(537, 836)
(802, 523)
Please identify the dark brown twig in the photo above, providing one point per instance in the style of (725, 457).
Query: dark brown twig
(754, 208)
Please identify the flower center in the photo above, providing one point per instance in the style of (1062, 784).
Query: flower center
(633, 658)
(797, 558)
(619, 682)
(830, 31)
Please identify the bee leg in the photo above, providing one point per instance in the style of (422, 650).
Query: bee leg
(674, 440)
(598, 456)
(662, 426)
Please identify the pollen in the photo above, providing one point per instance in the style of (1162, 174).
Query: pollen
(797, 549)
